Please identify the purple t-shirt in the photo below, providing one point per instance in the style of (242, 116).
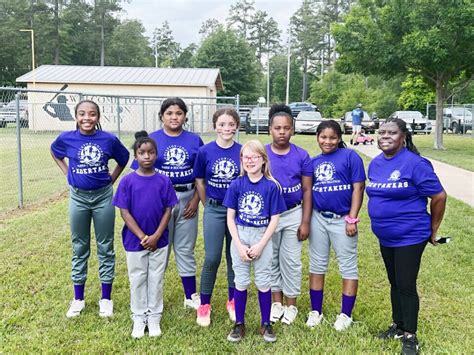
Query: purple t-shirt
(88, 157)
(334, 174)
(218, 167)
(146, 198)
(398, 191)
(288, 169)
(176, 155)
(254, 202)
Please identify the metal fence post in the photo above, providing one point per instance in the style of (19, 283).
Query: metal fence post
(18, 147)
(118, 117)
(143, 115)
(237, 108)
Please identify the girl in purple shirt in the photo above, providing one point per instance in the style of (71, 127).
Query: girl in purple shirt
(145, 199)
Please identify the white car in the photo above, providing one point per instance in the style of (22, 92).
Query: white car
(8, 113)
(415, 120)
(307, 121)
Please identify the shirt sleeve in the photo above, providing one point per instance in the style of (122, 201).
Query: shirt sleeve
(277, 202)
(120, 153)
(425, 179)
(357, 168)
(121, 198)
(306, 166)
(200, 164)
(171, 198)
(232, 196)
(58, 147)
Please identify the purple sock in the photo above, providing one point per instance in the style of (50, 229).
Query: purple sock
(189, 285)
(316, 297)
(230, 292)
(347, 304)
(265, 301)
(106, 291)
(79, 292)
(205, 299)
(240, 298)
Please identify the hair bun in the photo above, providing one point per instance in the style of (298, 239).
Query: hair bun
(141, 134)
(279, 108)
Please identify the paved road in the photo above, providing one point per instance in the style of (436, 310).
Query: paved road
(457, 182)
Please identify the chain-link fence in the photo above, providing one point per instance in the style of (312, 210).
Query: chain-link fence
(457, 118)
(31, 119)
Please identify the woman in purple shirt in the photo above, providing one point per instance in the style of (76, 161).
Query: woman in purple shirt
(400, 183)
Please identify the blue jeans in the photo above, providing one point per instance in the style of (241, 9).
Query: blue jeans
(215, 231)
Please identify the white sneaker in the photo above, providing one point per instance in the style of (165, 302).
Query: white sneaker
(106, 308)
(75, 308)
(138, 330)
(154, 329)
(289, 315)
(314, 319)
(343, 321)
(276, 312)
(194, 302)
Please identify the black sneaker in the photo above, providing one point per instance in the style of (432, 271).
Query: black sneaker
(237, 333)
(393, 332)
(267, 331)
(352, 142)
(409, 344)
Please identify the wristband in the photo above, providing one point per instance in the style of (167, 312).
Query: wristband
(351, 220)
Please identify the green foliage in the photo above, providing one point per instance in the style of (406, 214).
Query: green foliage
(338, 93)
(165, 49)
(129, 46)
(415, 94)
(264, 35)
(186, 56)
(240, 16)
(223, 49)
(278, 69)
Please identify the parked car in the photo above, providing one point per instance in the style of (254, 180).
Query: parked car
(257, 121)
(8, 113)
(457, 118)
(297, 107)
(369, 125)
(415, 120)
(307, 122)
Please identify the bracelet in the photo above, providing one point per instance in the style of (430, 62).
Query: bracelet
(351, 220)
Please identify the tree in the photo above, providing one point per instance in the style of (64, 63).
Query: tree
(209, 26)
(225, 50)
(264, 34)
(186, 57)
(129, 46)
(278, 69)
(306, 38)
(164, 47)
(430, 38)
(240, 16)
(415, 94)
(105, 22)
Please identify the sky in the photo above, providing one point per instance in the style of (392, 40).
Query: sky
(186, 16)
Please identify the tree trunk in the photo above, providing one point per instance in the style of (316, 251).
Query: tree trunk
(440, 92)
(56, 32)
(305, 78)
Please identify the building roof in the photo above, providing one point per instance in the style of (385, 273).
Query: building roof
(80, 74)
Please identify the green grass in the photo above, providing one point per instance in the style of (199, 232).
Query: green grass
(35, 290)
(459, 149)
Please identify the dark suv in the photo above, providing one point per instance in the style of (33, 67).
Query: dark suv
(297, 107)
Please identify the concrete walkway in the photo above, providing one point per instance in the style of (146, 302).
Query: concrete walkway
(458, 183)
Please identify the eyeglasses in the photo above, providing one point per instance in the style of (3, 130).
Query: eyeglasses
(252, 158)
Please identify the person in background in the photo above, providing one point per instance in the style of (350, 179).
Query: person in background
(400, 184)
(357, 117)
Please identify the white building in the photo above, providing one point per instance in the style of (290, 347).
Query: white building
(129, 97)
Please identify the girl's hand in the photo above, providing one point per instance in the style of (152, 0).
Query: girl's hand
(351, 229)
(256, 250)
(243, 252)
(303, 232)
(191, 207)
(149, 243)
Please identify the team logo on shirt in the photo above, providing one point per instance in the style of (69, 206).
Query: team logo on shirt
(175, 155)
(90, 154)
(395, 175)
(251, 203)
(224, 168)
(325, 172)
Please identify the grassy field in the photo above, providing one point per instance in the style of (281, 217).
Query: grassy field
(35, 266)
